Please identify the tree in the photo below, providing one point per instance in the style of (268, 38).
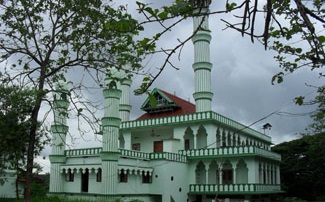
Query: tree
(318, 125)
(15, 109)
(302, 167)
(41, 40)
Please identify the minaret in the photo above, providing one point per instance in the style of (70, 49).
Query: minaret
(59, 131)
(124, 85)
(202, 65)
(110, 125)
(123, 82)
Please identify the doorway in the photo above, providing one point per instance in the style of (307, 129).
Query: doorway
(158, 146)
(85, 181)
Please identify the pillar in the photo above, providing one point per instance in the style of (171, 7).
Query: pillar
(202, 65)
(110, 125)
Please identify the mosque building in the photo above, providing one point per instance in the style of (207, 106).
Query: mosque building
(176, 151)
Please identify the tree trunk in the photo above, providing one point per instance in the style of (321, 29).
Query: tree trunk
(30, 162)
(32, 138)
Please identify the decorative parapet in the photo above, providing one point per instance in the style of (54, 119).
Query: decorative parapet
(234, 188)
(134, 154)
(183, 155)
(128, 153)
(83, 152)
(168, 156)
(225, 152)
(194, 117)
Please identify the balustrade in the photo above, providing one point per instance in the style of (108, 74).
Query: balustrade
(229, 152)
(233, 188)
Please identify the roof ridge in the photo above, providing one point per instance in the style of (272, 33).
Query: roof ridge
(175, 96)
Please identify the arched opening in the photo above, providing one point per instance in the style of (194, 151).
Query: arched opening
(213, 173)
(241, 172)
(227, 173)
(201, 138)
(188, 139)
(200, 173)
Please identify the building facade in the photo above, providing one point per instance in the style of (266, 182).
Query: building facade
(176, 151)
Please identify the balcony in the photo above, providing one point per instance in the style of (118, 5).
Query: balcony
(234, 189)
(227, 152)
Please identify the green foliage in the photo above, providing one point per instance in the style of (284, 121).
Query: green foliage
(302, 166)
(15, 109)
(318, 125)
(299, 25)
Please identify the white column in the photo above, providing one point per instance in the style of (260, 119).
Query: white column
(206, 166)
(277, 174)
(59, 130)
(110, 123)
(202, 65)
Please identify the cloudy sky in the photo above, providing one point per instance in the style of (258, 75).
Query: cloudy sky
(241, 81)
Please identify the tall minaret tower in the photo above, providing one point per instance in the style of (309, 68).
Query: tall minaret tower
(59, 131)
(202, 65)
(123, 82)
(110, 123)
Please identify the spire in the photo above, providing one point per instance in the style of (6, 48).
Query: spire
(202, 65)
(59, 131)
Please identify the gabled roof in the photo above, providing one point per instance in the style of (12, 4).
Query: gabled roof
(160, 104)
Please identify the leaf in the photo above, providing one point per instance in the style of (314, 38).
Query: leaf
(163, 15)
(278, 77)
(321, 39)
(299, 100)
(298, 50)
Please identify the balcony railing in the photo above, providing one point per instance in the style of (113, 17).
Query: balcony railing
(234, 188)
(83, 152)
(134, 154)
(128, 153)
(183, 155)
(230, 152)
(168, 156)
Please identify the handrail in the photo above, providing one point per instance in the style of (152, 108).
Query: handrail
(230, 151)
(234, 188)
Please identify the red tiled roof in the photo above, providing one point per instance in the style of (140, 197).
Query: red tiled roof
(185, 107)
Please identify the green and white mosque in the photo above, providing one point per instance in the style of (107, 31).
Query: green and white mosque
(175, 152)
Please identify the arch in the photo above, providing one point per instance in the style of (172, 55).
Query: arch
(241, 172)
(213, 173)
(227, 173)
(201, 137)
(200, 173)
(188, 139)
